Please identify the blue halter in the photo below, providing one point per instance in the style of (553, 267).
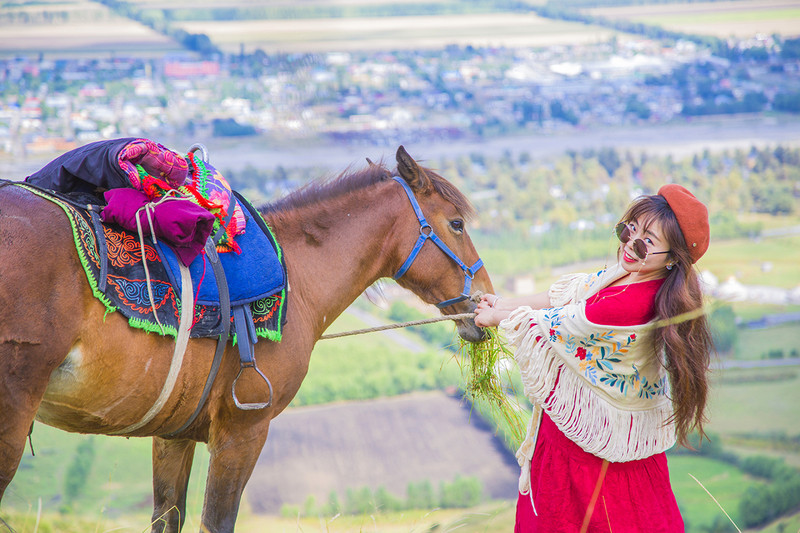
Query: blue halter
(469, 272)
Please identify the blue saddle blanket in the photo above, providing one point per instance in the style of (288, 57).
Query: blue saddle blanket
(255, 273)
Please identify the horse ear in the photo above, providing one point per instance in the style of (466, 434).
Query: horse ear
(410, 171)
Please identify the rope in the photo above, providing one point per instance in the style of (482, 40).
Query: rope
(148, 209)
(399, 325)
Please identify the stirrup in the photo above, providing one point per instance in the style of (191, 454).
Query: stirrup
(250, 406)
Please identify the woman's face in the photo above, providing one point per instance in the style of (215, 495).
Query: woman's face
(645, 251)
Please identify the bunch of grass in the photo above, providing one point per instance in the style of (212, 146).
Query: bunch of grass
(486, 368)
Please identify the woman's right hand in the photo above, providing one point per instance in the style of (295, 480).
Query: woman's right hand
(486, 314)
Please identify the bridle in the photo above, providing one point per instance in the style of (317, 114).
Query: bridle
(426, 232)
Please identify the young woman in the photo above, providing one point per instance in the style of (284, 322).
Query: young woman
(615, 364)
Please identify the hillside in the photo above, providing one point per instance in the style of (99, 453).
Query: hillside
(388, 443)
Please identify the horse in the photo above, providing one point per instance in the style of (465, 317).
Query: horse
(66, 362)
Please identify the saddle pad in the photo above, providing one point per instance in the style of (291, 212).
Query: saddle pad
(126, 284)
(252, 274)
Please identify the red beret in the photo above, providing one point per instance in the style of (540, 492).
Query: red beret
(692, 218)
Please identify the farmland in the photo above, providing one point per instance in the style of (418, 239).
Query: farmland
(720, 19)
(89, 29)
(76, 28)
(396, 33)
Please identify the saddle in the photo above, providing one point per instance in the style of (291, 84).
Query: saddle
(239, 294)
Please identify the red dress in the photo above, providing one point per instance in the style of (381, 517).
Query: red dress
(631, 497)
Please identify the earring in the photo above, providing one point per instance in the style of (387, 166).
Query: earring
(670, 265)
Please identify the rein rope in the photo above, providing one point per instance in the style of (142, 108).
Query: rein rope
(476, 297)
(398, 325)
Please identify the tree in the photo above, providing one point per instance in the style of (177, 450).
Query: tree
(78, 471)
(463, 492)
(310, 506)
(420, 495)
(333, 508)
(724, 330)
(359, 501)
(386, 501)
(609, 158)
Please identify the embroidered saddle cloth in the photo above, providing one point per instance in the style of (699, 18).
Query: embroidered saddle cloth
(138, 177)
(112, 260)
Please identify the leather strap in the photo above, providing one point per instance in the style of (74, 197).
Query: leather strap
(225, 313)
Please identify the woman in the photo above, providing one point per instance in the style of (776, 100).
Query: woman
(615, 364)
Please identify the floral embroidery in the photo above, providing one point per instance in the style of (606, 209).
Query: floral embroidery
(598, 353)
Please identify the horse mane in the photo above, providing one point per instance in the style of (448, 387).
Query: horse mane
(349, 181)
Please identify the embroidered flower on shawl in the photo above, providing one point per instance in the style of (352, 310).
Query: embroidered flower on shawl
(598, 353)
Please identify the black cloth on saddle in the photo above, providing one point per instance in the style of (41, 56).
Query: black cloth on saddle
(86, 169)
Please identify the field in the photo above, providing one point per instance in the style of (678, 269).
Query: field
(720, 19)
(85, 28)
(393, 33)
(76, 28)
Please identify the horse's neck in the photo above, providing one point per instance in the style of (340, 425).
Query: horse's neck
(335, 250)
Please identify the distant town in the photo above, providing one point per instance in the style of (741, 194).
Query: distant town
(51, 105)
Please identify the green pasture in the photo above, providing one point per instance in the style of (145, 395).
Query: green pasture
(725, 482)
(119, 481)
(720, 17)
(768, 402)
(373, 365)
(758, 343)
(768, 261)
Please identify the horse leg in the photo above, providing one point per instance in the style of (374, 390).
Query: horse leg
(234, 453)
(24, 373)
(172, 464)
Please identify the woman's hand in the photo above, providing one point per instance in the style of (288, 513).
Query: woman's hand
(486, 314)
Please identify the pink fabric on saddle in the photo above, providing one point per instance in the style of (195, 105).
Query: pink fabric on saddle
(181, 223)
(155, 159)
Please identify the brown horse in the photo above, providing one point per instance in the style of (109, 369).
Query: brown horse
(66, 363)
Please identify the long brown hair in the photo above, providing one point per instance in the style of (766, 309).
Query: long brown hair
(682, 332)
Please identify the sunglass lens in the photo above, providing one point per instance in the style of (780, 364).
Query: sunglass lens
(640, 248)
(623, 233)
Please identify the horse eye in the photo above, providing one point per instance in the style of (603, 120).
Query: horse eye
(457, 225)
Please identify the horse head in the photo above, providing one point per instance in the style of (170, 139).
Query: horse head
(446, 271)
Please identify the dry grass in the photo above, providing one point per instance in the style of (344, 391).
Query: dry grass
(389, 33)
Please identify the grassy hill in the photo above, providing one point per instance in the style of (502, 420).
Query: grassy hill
(387, 442)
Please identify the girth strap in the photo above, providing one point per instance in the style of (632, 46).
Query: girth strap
(181, 340)
(222, 342)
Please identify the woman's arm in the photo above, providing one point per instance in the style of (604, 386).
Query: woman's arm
(493, 309)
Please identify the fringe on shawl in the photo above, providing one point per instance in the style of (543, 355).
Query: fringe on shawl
(580, 413)
(566, 289)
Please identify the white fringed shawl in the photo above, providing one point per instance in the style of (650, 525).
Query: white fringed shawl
(601, 385)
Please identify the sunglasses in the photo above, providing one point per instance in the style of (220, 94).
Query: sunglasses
(639, 247)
